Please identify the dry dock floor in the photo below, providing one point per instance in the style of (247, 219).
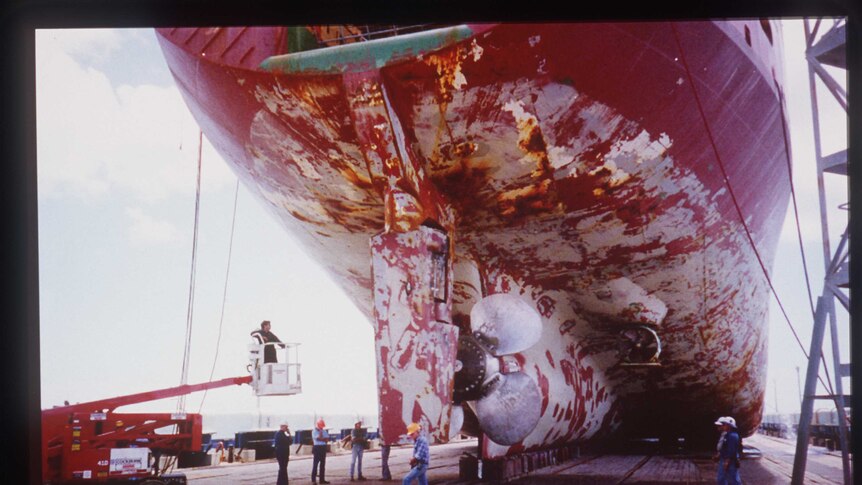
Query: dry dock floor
(774, 467)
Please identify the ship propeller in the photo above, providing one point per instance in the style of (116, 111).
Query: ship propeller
(511, 409)
(638, 344)
(456, 422)
(507, 402)
(505, 324)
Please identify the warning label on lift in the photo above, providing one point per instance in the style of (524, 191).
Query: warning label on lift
(129, 460)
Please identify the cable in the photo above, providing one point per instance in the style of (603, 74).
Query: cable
(799, 225)
(793, 197)
(224, 293)
(181, 401)
(732, 195)
(184, 378)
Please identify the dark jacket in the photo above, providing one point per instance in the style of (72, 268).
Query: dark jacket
(268, 337)
(731, 447)
(358, 438)
(264, 337)
(283, 441)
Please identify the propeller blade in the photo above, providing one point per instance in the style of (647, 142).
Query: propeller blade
(639, 344)
(505, 323)
(511, 410)
(456, 421)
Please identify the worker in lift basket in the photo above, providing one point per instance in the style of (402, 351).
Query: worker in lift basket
(265, 336)
(421, 454)
(319, 437)
(729, 449)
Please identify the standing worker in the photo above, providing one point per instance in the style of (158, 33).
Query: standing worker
(282, 452)
(265, 336)
(358, 442)
(319, 438)
(729, 449)
(421, 454)
(384, 462)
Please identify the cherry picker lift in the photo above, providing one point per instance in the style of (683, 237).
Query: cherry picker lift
(91, 443)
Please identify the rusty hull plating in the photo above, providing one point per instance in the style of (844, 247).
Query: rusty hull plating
(579, 167)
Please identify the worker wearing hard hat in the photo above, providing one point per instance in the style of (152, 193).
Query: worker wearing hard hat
(729, 449)
(282, 441)
(421, 455)
(320, 439)
(358, 442)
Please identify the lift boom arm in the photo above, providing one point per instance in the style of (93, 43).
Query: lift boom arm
(112, 403)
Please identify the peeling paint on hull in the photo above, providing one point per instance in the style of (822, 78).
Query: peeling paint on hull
(568, 164)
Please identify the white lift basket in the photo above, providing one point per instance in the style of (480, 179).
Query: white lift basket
(280, 378)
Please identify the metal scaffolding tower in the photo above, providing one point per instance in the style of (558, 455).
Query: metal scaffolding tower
(828, 49)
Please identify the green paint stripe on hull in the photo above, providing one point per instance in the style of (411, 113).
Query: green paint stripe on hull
(362, 56)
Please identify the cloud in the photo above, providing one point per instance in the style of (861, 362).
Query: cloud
(95, 139)
(89, 45)
(147, 230)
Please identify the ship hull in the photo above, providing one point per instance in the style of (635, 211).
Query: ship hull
(609, 174)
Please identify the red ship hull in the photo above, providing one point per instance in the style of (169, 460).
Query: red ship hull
(610, 175)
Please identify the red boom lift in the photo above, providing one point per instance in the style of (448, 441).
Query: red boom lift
(89, 442)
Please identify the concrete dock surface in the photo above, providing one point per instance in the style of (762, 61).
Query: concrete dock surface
(774, 467)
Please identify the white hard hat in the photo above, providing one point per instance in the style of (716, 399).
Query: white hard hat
(726, 420)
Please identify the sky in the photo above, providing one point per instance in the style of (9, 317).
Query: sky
(783, 391)
(117, 152)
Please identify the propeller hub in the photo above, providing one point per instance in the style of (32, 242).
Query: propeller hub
(475, 365)
(638, 345)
